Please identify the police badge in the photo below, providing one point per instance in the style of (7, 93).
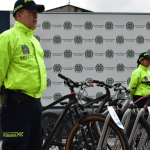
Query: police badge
(25, 49)
(146, 78)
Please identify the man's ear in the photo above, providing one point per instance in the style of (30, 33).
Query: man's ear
(18, 16)
(141, 61)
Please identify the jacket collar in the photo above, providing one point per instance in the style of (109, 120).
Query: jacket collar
(144, 68)
(21, 27)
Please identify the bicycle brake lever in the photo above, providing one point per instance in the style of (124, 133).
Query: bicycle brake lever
(91, 85)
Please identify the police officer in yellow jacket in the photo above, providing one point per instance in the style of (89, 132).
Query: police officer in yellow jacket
(142, 73)
(22, 80)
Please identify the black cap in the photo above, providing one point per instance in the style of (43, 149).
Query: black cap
(27, 4)
(143, 56)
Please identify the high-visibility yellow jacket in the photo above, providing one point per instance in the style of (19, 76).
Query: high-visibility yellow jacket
(140, 74)
(21, 61)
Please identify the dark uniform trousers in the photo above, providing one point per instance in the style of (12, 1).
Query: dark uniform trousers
(23, 121)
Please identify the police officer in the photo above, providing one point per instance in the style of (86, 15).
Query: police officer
(140, 74)
(22, 80)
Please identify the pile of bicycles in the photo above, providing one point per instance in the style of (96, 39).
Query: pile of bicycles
(77, 129)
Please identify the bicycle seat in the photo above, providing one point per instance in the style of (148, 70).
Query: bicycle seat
(63, 103)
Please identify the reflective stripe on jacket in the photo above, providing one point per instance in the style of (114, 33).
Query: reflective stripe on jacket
(21, 61)
(140, 74)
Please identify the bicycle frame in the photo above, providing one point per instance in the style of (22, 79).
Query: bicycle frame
(104, 97)
(72, 100)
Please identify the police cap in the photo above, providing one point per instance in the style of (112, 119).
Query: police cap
(27, 4)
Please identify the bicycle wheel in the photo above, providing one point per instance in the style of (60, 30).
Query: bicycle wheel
(141, 139)
(48, 121)
(87, 135)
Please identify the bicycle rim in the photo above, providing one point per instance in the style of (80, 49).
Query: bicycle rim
(77, 141)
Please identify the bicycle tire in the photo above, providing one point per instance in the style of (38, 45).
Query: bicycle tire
(77, 143)
(145, 127)
(48, 121)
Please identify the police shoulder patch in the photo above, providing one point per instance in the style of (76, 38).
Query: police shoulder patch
(25, 49)
(146, 78)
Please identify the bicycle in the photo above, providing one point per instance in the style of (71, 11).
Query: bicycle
(88, 141)
(49, 118)
(140, 123)
(140, 126)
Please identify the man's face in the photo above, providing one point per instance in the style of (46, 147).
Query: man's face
(145, 62)
(28, 18)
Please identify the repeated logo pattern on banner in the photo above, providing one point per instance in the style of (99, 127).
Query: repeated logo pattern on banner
(98, 46)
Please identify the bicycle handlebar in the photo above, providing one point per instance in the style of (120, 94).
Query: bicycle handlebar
(68, 80)
(63, 77)
(97, 81)
(124, 88)
(101, 83)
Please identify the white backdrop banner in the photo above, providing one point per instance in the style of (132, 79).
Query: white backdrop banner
(101, 46)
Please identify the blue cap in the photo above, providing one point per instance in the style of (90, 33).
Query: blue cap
(143, 56)
(27, 4)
